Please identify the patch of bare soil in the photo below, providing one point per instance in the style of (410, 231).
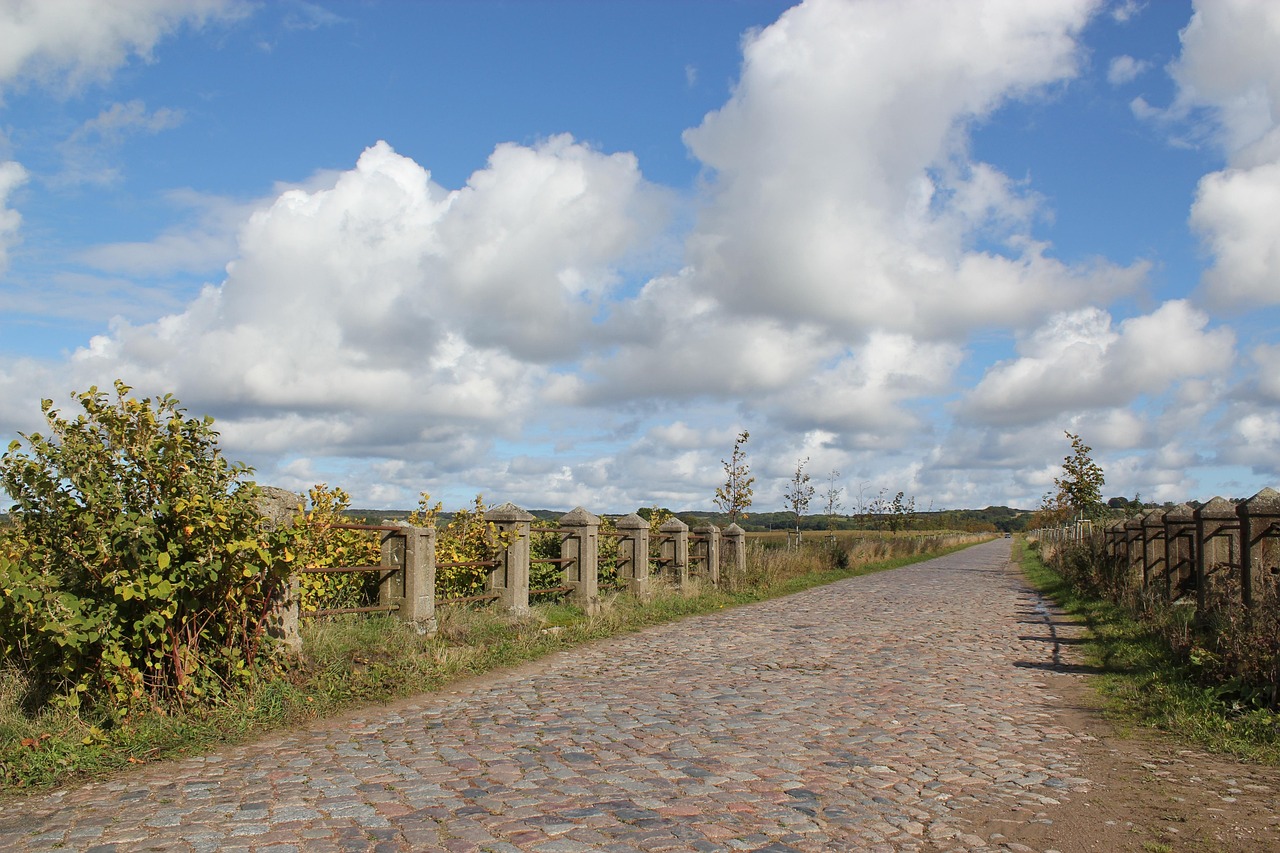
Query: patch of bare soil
(1149, 793)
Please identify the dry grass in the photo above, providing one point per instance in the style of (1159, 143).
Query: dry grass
(770, 566)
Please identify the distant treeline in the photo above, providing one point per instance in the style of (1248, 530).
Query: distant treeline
(993, 519)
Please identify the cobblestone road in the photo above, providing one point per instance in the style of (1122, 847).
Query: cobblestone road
(865, 715)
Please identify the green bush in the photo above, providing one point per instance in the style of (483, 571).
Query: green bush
(544, 546)
(315, 543)
(137, 569)
(467, 538)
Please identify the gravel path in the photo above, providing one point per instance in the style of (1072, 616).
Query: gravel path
(865, 715)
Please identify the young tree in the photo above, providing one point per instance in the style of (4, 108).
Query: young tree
(1080, 486)
(734, 496)
(863, 510)
(1050, 513)
(878, 509)
(833, 501)
(901, 512)
(799, 493)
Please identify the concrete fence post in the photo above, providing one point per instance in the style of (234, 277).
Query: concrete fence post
(510, 579)
(418, 604)
(1180, 551)
(1135, 556)
(1217, 528)
(735, 547)
(674, 551)
(1154, 566)
(284, 623)
(1114, 537)
(394, 549)
(279, 507)
(709, 551)
(1259, 548)
(582, 547)
(633, 555)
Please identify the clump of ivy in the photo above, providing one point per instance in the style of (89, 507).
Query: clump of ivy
(138, 571)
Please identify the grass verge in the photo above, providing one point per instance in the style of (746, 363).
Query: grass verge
(353, 661)
(1143, 683)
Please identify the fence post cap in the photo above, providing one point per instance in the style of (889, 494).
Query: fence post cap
(1153, 518)
(507, 512)
(1180, 514)
(410, 527)
(733, 530)
(579, 517)
(673, 525)
(1265, 502)
(279, 506)
(1217, 507)
(631, 522)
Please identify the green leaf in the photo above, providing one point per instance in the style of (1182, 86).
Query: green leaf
(162, 560)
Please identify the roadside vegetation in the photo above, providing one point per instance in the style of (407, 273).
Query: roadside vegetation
(1211, 684)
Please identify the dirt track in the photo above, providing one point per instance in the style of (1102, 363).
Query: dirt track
(1147, 793)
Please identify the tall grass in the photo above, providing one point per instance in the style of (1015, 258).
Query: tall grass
(352, 660)
(775, 568)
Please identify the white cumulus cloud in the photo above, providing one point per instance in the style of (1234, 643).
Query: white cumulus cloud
(1125, 69)
(383, 312)
(1236, 212)
(841, 188)
(860, 399)
(72, 42)
(531, 244)
(1230, 68)
(1079, 361)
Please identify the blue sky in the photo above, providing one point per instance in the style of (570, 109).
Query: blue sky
(561, 253)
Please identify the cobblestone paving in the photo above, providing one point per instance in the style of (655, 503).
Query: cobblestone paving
(857, 716)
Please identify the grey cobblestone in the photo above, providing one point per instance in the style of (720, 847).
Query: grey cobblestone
(858, 716)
